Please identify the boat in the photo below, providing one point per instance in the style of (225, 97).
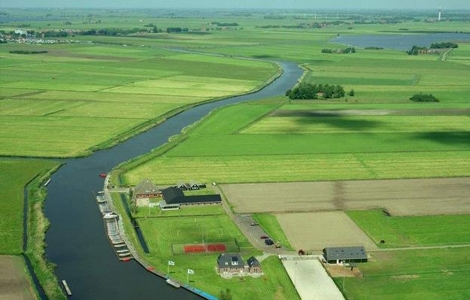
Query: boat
(173, 283)
(66, 287)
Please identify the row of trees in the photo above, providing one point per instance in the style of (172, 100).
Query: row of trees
(415, 50)
(342, 51)
(444, 45)
(317, 91)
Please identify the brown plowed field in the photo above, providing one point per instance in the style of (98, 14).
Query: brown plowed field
(14, 285)
(399, 197)
(317, 230)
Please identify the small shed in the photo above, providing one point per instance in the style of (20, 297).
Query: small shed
(345, 254)
(146, 189)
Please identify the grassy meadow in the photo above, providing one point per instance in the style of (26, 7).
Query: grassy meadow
(264, 138)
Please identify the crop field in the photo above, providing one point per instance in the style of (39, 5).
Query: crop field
(105, 91)
(14, 175)
(161, 233)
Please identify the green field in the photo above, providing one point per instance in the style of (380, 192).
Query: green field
(434, 274)
(14, 176)
(413, 231)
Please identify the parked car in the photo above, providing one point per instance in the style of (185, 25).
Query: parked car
(263, 237)
(268, 242)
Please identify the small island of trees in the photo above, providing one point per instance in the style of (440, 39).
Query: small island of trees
(424, 98)
(316, 91)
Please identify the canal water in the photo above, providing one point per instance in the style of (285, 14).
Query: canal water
(76, 240)
(401, 41)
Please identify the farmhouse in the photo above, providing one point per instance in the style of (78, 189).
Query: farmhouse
(146, 189)
(344, 254)
(174, 197)
(233, 264)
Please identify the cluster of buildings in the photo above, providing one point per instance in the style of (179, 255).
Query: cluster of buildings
(173, 197)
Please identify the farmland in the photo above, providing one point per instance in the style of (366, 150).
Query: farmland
(107, 92)
(80, 97)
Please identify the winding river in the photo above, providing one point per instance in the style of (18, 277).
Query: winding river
(76, 241)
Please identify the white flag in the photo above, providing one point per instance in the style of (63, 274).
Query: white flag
(190, 271)
(171, 263)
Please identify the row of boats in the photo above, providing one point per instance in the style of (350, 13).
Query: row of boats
(111, 226)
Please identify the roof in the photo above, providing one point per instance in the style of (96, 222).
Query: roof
(344, 253)
(253, 262)
(173, 195)
(146, 187)
(230, 260)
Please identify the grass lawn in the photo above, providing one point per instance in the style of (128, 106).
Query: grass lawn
(14, 176)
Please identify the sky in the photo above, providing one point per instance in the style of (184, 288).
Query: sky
(247, 4)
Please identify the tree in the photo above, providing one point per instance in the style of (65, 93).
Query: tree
(351, 93)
